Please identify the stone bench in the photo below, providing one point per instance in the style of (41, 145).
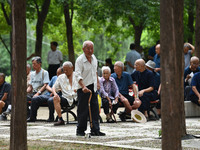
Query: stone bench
(191, 109)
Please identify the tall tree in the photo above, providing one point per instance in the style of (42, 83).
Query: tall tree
(18, 132)
(190, 13)
(68, 12)
(197, 29)
(171, 27)
(41, 7)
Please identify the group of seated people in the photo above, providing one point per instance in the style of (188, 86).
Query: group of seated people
(114, 88)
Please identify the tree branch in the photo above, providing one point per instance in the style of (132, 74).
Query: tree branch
(37, 8)
(5, 45)
(5, 14)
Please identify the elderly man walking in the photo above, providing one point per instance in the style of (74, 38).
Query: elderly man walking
(86, 70)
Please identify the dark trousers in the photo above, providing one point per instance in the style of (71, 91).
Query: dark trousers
(83, 111)
(37, 101)
(116, 106)
(52, 69)
(194, 99)
(105, 105)
(146, 98)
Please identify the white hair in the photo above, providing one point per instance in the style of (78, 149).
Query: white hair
(68, 63)
(120, 64)
(87, 42)
(105, 68)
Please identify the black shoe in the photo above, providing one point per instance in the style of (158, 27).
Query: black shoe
(97, 133)
(110, 120)
(50, 120)
(80, 133)
(3, 118)
(122, 116)
(30, 120)
(60, 122)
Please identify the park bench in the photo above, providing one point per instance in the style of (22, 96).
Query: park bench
(64, 110)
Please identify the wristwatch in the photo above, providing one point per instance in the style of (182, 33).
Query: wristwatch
(39, 92)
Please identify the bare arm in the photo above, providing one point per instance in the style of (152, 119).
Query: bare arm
(132, 66)
(196, 91)
(41, 90)
(29, 88)
(49, 88)
(98, 84)
(145, 91)
(84, 88)
(5, 96)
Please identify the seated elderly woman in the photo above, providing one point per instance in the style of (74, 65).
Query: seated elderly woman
(4, 94)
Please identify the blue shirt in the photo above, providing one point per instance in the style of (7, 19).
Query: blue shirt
(123, 83)
(51, 83)
(157, 80)
(157, 61)
(195, 82)
(188, 71)
(152, 51)
(144, 79)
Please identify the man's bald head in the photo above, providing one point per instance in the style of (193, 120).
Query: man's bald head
(140, 65)
(194, 58)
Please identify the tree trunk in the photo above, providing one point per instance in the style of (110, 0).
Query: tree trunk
(69, 31)
(197, 29)
(18, 133)
(171, 28)
(138, 33)
(39, 26)
(191, 21)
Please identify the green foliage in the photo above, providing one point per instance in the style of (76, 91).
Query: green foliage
(8, 79)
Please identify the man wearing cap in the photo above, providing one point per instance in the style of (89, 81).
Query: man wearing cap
(150, 65)
(145, 80)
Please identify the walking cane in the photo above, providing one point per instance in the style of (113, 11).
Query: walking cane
(113, 115)
(90, 109)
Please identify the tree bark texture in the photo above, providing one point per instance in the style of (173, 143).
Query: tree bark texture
(18, 132)
(39, 26)
(172, 64)
(197, 29)
(69, 30)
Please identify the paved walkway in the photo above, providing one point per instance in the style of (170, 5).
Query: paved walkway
(121, 134)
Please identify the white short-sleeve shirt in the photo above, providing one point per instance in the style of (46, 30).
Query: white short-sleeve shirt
(68, 91)
(86, 71)
(54, 57)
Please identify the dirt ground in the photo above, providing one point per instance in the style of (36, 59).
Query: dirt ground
(120, 135)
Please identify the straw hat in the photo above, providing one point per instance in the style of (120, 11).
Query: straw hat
(138, 117)
(151, 64)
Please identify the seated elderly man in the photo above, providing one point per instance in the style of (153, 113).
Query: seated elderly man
(145, 80)
(188, 74)
(37, 101)
(195, 91)
(67, 83)
(38, 82)
(4, 94)
(124, 81)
